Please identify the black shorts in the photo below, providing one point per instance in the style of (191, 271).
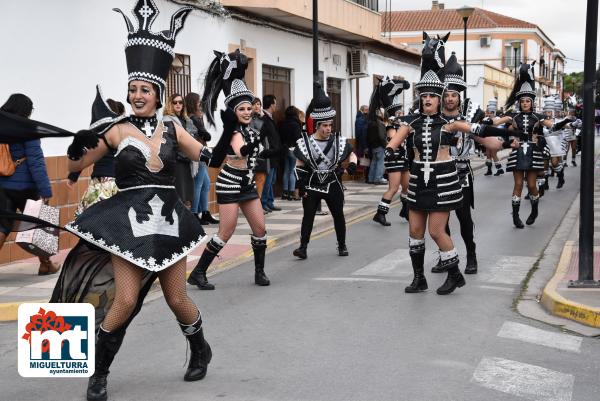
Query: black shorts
(13, 200)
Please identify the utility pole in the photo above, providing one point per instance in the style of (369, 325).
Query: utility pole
(315, 29)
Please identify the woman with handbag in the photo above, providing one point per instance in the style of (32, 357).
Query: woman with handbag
(25, 176)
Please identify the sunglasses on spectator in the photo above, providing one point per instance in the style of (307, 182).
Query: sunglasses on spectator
(177, 102)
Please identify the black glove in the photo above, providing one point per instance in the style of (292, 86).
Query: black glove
(249, 148)
(84, 139)
(205, 155)
(351, 169)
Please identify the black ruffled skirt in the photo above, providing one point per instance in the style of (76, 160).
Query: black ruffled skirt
(235, 185)
(147, 226)
(526, 158)
(434, 186)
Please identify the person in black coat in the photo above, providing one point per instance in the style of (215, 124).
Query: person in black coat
(272, 152)
(290, 130)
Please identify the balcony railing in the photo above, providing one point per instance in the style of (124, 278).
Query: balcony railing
(370, 4)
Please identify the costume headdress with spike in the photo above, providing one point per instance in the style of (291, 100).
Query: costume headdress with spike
(433, 60)
(150, 54)
(322, 110)
(453, 75)
(225, 73)
(387, 94)
(524, 85)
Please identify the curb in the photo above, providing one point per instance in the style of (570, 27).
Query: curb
(558, 305)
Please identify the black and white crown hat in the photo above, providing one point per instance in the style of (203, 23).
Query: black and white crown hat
(430, 83)
(150, 54)
(526, 90)
(322, 110)
(391, 90)
(236, 93)
(549, 104)
(492, 105)
(558, 104)
(453, 75)
(103, 118)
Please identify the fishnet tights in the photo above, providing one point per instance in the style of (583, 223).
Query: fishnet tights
(228, 217)
(128, 280)
(417, 223)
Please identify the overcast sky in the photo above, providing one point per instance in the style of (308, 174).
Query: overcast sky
(562, 20)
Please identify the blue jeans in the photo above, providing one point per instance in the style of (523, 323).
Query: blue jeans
(268, 197)
(201, 190)
(376, 168)
(289, 176)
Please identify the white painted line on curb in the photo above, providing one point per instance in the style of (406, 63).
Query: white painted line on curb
(532, 335)
(528, 381)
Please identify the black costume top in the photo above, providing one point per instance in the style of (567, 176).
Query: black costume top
(526, 121)
(428, 135)
(321, 160)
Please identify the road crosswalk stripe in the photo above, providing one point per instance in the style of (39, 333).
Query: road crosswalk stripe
(521, 379)
(394, 264)
(529, 334)
(507, 269)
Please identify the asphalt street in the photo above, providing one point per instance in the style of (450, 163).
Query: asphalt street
(341, 328)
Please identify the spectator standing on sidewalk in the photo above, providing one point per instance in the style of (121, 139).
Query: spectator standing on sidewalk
(30, 179)
(201, 179)
(272, 152)
(291, 131)
(260, 170)
(361, 125)
(184, 183)
(377, 141)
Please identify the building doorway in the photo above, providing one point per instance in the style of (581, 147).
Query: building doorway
(334, 91)
(276, 81)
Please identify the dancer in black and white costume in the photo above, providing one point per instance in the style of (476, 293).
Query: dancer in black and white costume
(239, 146)
(555, 141)
(492, 119)
(434, 186)
(319, 173)
(527, 160)
(572, 131)
(388, 95)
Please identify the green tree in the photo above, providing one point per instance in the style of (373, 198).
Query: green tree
(573, 83)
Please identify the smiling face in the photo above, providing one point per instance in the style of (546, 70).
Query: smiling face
(525, 104)
(451, 101)
(430, 103)
(143, 98)
(243, 113)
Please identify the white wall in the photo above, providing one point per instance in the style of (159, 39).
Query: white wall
(66, 47)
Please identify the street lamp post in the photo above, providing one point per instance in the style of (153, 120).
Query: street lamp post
(516, 46)
(465, 12)
(315, 29)
(586, 196)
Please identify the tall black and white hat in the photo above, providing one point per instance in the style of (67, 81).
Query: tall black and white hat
(453, 75)
(492, 105)
(322, 110)
(150, 54)
(549, 104)
(103, 118)
(433, 60)
(524, 85)
(236, 93)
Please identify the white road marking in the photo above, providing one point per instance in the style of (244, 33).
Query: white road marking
(497, 288)
(528, 381)
(357, 279)
(523, 332)
(507, 269)
(394, 264)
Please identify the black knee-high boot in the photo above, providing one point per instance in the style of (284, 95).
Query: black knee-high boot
(201, 352)
(107, 346)
(535, 200)
(404, 210)
(259, 247)
(516, 205)
(471, 267)
(488, 164)
(382, 210)
(198, 275)
(417, 257)
(455, 278)
(561, 177)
